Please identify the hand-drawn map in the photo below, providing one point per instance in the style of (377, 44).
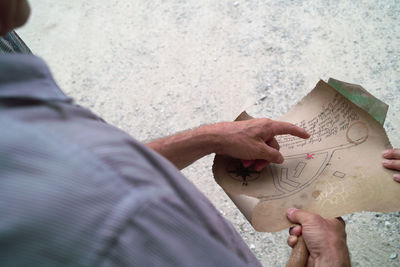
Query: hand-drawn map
(336, 171)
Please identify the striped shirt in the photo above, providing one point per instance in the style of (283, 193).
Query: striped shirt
(12, 43)
(76, 191)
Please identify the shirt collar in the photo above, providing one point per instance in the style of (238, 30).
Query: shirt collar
(27, 76)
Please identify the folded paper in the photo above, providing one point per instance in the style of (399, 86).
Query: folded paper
(337, 171)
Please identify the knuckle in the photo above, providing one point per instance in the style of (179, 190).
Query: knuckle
(315, 218)
(390, 152)
(267, 124)
(393, 153)
(393, 164)
(396, 164)
(262, 152)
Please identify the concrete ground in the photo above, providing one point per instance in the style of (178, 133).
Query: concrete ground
(154, 68)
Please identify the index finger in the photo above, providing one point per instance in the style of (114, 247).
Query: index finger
(281, 127)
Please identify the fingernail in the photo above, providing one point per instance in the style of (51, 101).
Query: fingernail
(290, 211)
(386, 162)
(386, 152)
(396, 177)
(292, 239)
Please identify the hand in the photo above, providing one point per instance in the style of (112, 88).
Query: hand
(247, 140)
(260, 164)
(392, 161)
(325, 238)
(253, 140)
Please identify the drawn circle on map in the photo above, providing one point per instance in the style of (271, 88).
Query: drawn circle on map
(236, 171)
(357, 133)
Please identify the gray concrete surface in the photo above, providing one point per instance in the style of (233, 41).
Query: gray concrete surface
(154, 68)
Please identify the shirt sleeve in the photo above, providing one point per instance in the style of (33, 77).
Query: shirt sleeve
(163, 233)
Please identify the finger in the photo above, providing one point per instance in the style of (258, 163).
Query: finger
(391, 153)
(310, 262)
(281, 127)
(260, 164)
(270, 154)
(272, 142)
(300, 216)
(295, 230)
(292, 241)
(247, 163)
(391, 164)
(396, 177)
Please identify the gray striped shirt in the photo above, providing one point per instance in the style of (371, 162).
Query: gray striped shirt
(76, 191)
(12, 43)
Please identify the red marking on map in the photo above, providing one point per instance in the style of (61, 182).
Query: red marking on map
(309, 155)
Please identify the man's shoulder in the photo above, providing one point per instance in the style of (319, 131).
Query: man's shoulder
(64, 180)
(27, 76)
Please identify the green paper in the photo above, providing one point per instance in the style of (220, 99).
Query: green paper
(360, 97)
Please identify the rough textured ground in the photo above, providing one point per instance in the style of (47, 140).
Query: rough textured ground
(154, 68)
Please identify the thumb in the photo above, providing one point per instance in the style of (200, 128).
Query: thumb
(299, 216)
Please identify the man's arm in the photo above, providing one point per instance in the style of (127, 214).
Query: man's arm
(247, 140)
(184, 148)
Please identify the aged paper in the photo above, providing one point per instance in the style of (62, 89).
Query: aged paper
(338, 170)
(360, 97)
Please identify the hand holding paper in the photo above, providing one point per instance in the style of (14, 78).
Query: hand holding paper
(392, 161)
(325, 238)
